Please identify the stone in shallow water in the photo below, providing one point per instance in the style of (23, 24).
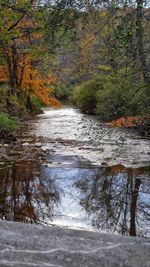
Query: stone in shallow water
(5, 145)
(38, 144)
(103, 163)
(25, 144)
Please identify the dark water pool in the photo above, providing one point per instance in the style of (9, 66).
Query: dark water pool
(77, 195)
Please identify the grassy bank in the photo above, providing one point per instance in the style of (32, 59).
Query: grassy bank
(8, 126)
(7, 122)
(13, 110)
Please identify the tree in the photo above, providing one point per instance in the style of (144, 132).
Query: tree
(141, 53)
(21, 37)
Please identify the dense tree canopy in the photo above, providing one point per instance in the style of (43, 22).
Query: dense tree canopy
(46, 46)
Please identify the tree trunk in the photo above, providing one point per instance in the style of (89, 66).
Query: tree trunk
(140, 41)
(134, 196)
(29, 104)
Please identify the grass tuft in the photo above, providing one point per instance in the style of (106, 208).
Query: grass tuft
(7, 122)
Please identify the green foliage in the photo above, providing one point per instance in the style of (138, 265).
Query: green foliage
(36, 104)
(17, 105)
(114, 101)
(63, 91)
(84, 96)
(110, 97)
(7, 122)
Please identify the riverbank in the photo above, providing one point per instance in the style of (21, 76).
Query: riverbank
(33, 245)
(14, 144)
(23, 148)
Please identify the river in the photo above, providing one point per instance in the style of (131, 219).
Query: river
(95, 177)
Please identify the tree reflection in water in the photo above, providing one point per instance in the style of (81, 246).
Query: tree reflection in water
(24, 194)
(118, 199)
(114, 198)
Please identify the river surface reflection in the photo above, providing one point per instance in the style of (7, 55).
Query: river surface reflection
(95, 177)
(77, 195)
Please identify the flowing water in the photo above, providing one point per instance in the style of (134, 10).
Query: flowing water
(95, 177)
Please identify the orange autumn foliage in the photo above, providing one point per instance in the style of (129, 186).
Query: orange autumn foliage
(41, 87)
(131, 121)
(20, 70)
(32, 82)
(3, 74)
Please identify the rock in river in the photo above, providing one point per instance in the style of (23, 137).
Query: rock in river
(60, 247)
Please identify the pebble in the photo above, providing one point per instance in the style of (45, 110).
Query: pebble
(69, 260)
(104, 163)
(5, 145)
(38, 144)
(25, 144)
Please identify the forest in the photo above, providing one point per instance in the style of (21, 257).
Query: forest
(96, 54)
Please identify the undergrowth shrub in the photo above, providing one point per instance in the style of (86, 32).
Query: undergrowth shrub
(8, 123)
(63, 91)
(111, 97)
